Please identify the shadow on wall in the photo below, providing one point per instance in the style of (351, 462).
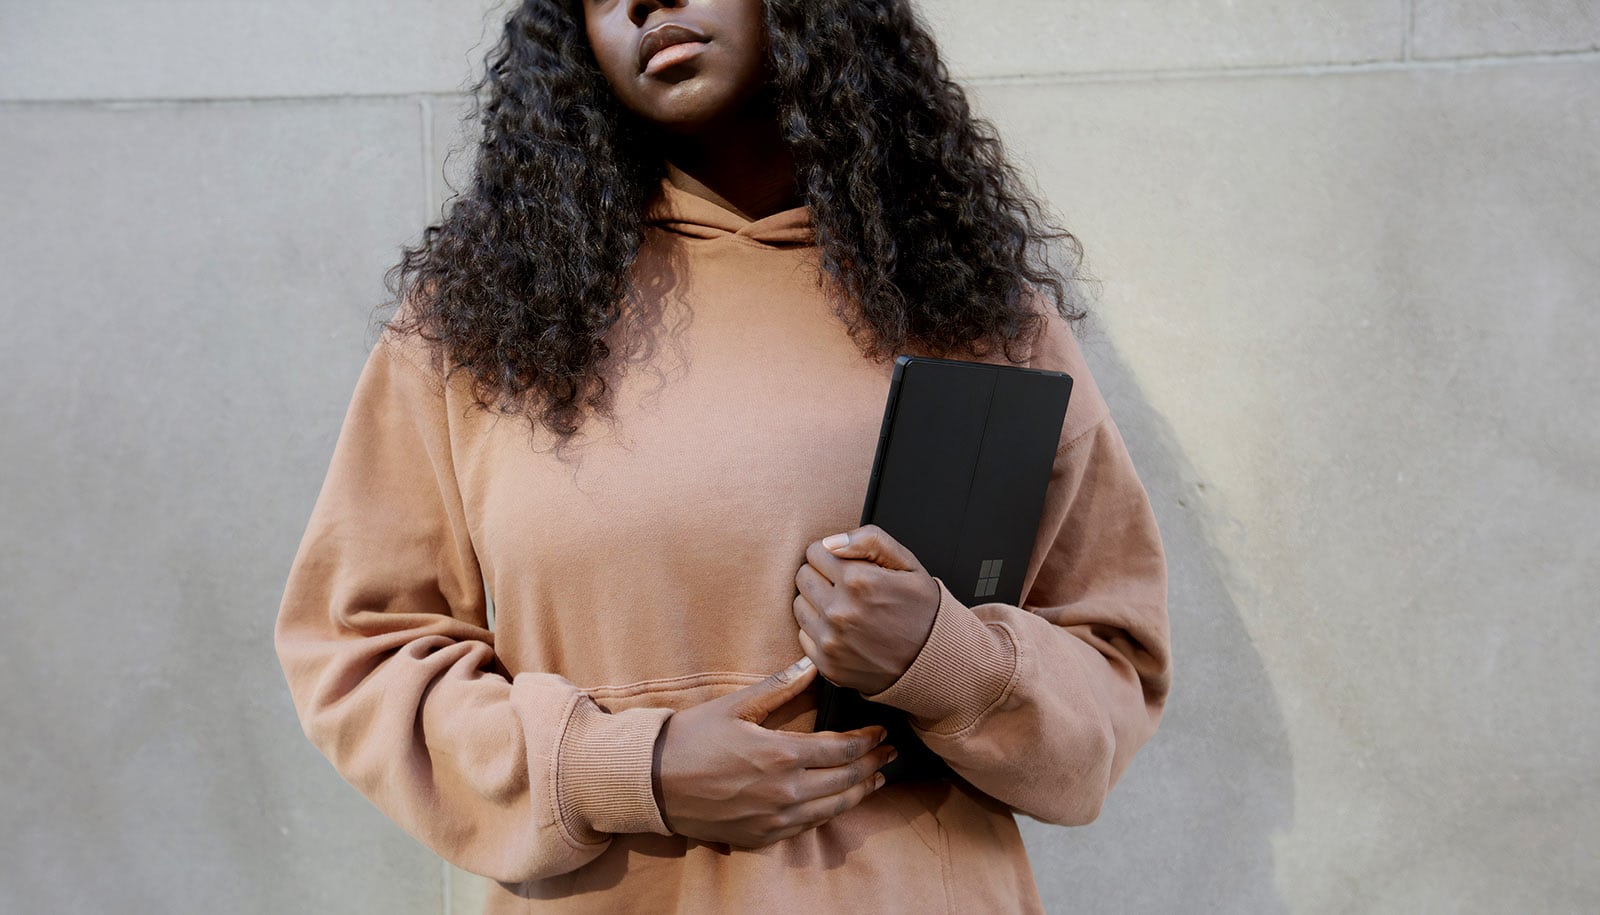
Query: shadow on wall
(1190, 826)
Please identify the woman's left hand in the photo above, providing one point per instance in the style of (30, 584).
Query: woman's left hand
(865, 608)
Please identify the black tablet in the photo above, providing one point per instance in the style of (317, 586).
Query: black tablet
(963, 462)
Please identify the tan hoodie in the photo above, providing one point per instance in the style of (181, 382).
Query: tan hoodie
(651, 567)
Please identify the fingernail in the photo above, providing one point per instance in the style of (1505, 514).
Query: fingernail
(892, 754)
(883, 735)
(878, 781)
(802, 665)
(836, 541)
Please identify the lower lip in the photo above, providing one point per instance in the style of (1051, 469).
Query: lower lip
(672, 55)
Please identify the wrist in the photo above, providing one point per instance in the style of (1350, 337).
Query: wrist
(961, 671)
(603, 771)
(655, 772)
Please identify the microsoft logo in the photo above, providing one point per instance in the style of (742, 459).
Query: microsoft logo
(988, 577)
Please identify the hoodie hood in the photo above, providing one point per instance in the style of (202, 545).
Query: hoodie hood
(679, 212)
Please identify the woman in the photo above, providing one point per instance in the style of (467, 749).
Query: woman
(633, 393)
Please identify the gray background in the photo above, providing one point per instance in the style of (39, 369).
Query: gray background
(1347, 252)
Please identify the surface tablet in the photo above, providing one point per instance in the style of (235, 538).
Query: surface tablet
(964, 458)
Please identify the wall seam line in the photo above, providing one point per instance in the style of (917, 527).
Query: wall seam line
(1476, 61)
(170, 100)
(1331, 69)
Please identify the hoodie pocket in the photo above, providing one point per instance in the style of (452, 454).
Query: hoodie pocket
(679, 693)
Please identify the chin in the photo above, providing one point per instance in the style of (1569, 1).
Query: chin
(688, 111)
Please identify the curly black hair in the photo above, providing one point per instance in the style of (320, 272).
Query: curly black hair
(926, 232)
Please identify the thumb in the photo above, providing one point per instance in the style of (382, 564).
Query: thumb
(872, 543)
(758, 700)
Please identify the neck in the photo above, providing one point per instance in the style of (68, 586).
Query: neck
(743, 166)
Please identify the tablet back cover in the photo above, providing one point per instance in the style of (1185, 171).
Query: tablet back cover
(964, 459)
(963, 463)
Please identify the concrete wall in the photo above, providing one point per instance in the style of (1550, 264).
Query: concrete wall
(1348, 255)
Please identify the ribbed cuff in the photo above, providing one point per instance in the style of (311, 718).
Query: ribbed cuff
(603, 780)
(962, 670)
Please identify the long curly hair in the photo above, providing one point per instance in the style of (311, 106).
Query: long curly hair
(927, 234)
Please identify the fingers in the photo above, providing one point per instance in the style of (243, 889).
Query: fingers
(823, 562)
(827, 782)
(827, 749)
(850, 567)
(820, 794)
(812, 585)
(815, 648)
(810, 647)
(869, 542)
(811, 622)
(758, 700)
(850, 785)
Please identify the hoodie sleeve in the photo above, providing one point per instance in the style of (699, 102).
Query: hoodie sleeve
(384, 641)
(1043, 706)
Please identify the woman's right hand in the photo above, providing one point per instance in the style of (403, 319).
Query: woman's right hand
(722, 777)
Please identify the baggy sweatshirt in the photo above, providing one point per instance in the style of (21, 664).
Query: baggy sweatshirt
(650, 566)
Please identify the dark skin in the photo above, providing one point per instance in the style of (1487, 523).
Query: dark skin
(865, 605)
(711, 114)
(865, 608)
